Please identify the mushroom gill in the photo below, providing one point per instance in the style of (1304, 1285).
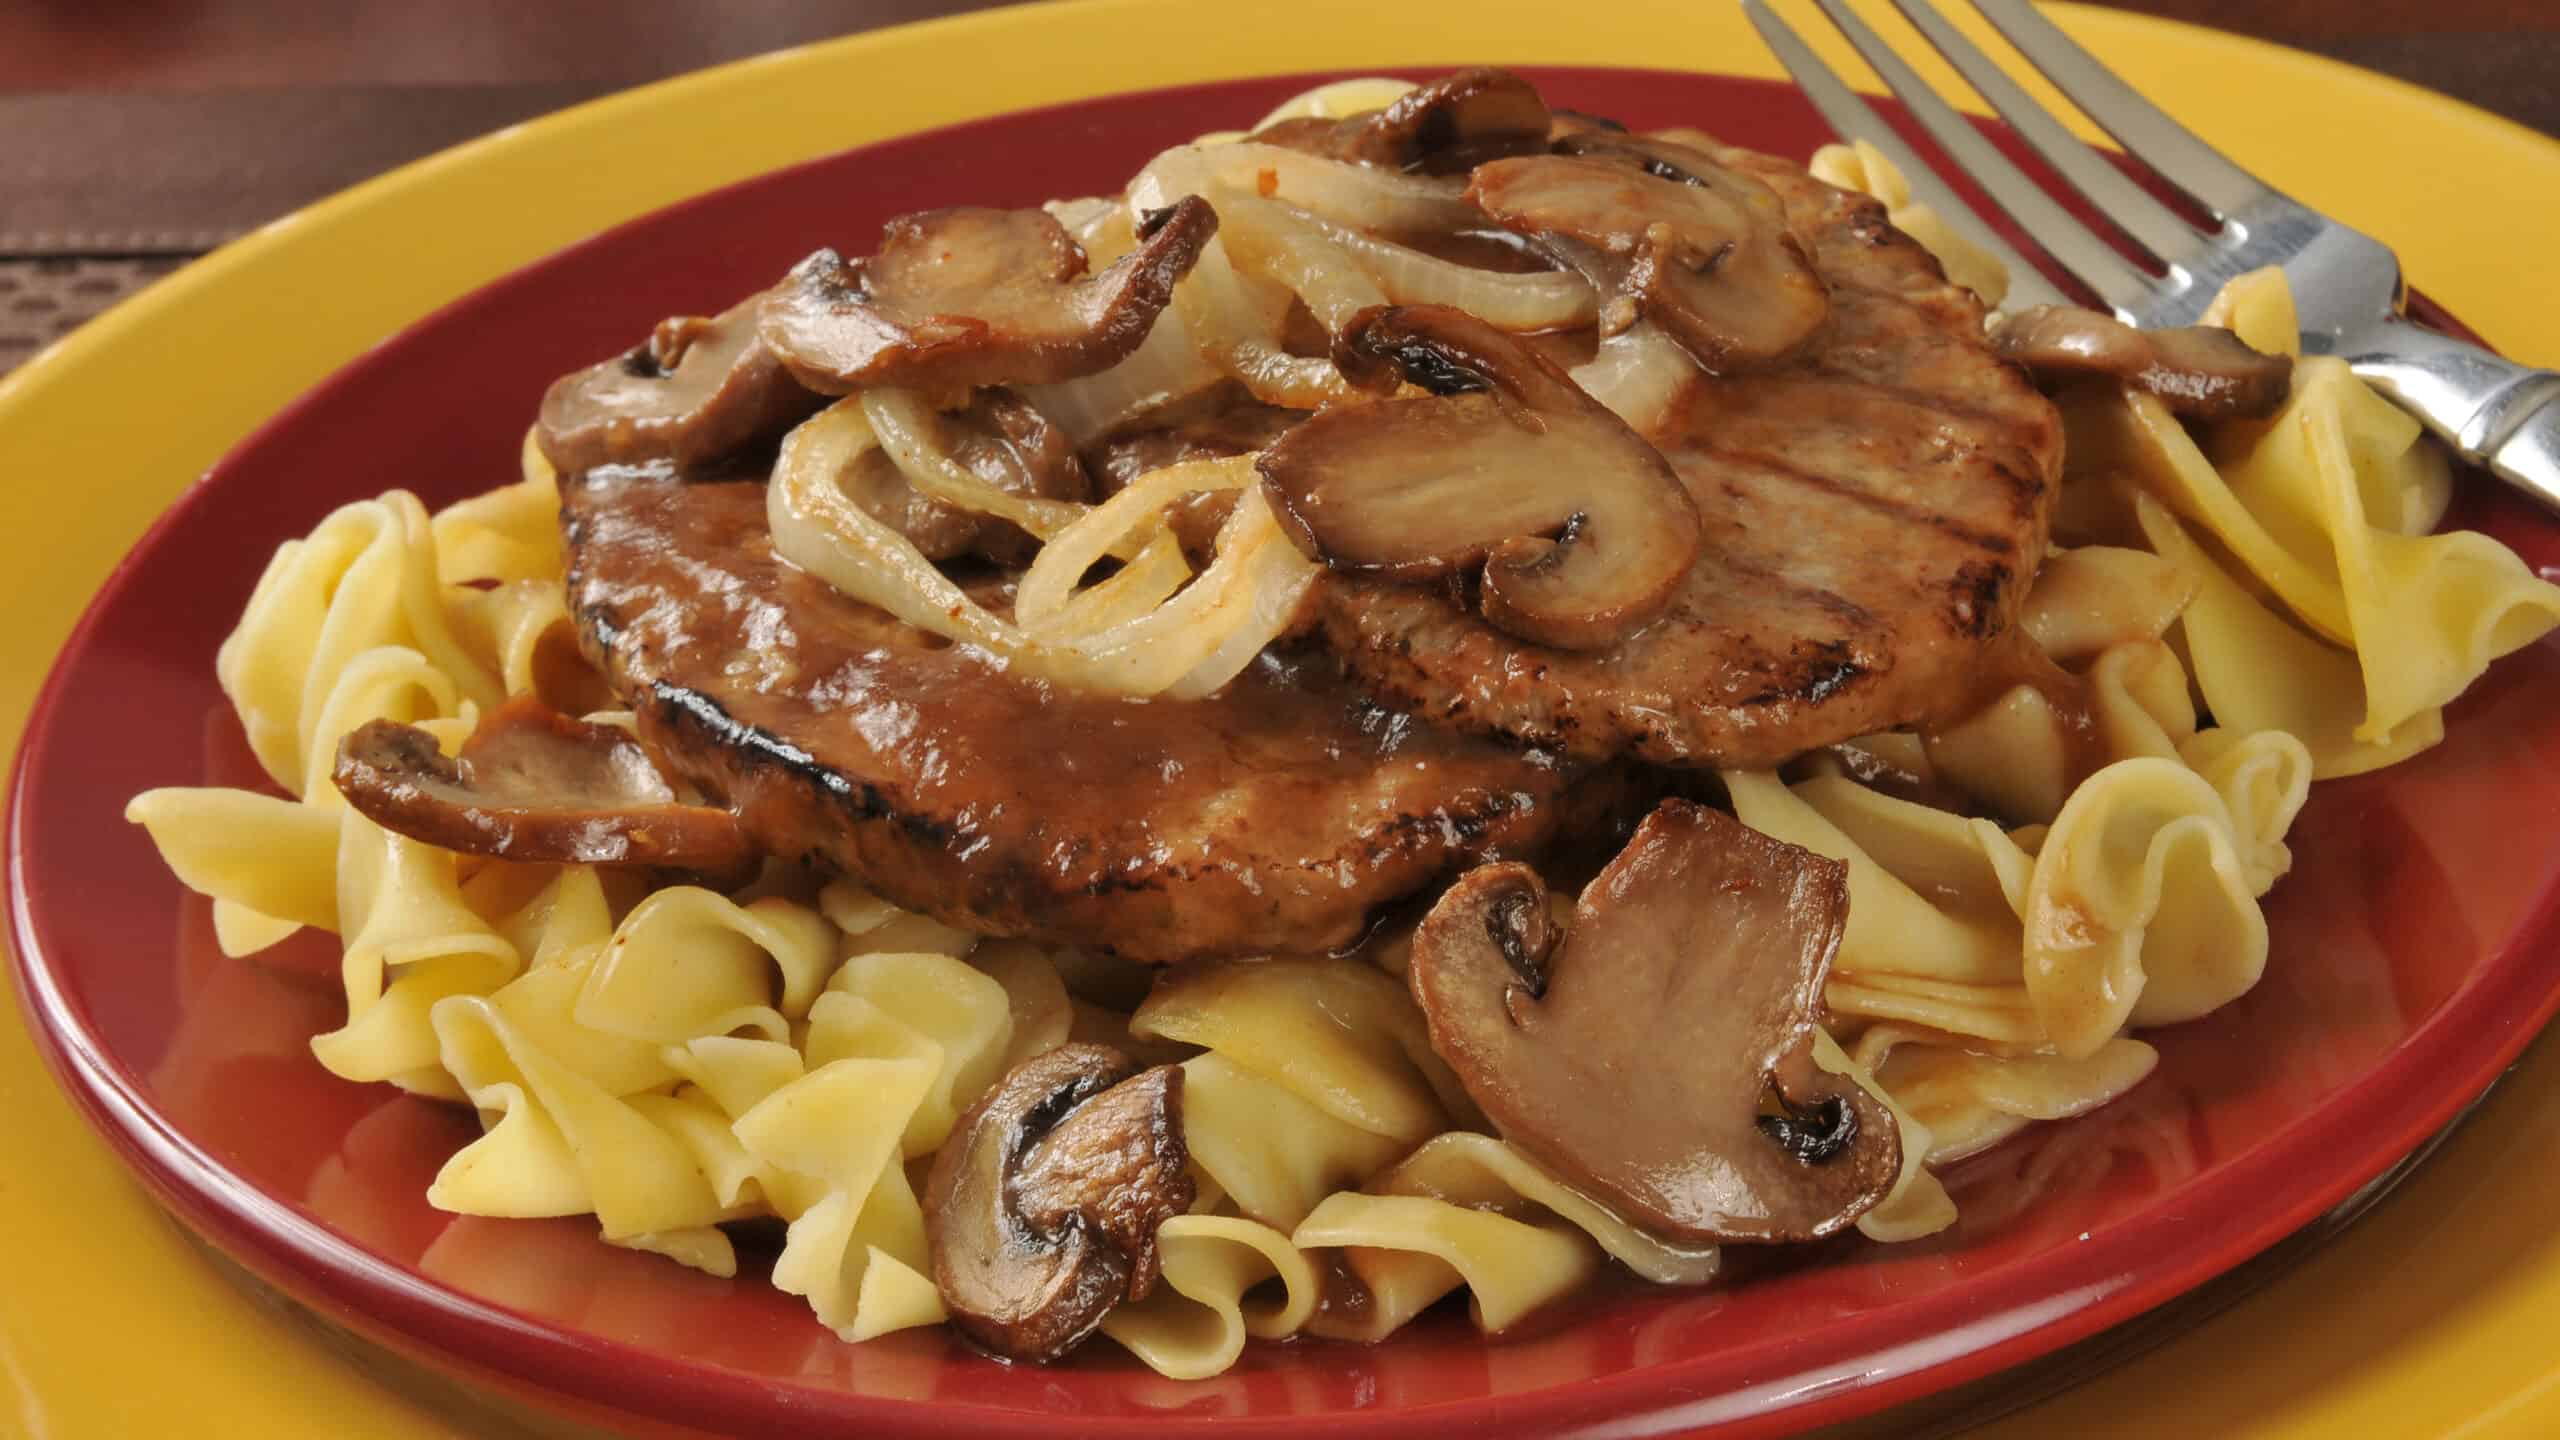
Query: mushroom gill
(1693, 970)
(1042, 1208)
(1580, 527)
(532, 784)
(696, 389)
(2203, 372)
(1663, 231)
(972, 296)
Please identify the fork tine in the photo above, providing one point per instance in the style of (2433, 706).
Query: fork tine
(1851, 118)
(2138, 125)
(2153, 225)
(2080, 249)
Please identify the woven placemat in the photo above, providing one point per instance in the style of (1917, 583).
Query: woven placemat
(43, 300)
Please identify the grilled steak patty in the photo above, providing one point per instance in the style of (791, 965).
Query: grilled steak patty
(1270, 817)
(1875, 509)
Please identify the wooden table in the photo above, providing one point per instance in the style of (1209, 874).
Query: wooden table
(137, 134)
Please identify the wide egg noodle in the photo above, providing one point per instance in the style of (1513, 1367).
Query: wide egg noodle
(1469, 1210)
(387, 682)
(872, 925)
(2092, 598)
(1969, 1101)
(411, 942)
(1996, 1015)
(2428, 612)
(2264, 779)
(1892, 928)
(1215, 1291)
(1406, 1251)
(520, 629)
(896, 1046)
(2140, 910)
(1968, 866)
(924, 1005)
(2017, 756)
(507, 534)
(2408, 499)
(2288, 500)
(1271, 1154)
(2100, 613)
(1481, 1172)
(565, 929)
(841, 1125)
(1336, 1033)
(806, 1108)
(366, 577)
(1917, 1205)
(1035, 997)
(735, 1073)
(260, 854)
(1947, 947)
(557, 1142)
(690, 962)
(2258, 671)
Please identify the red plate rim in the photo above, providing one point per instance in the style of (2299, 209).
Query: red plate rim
(2213, 1222)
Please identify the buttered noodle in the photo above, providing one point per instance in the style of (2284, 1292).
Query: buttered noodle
(670, 1061)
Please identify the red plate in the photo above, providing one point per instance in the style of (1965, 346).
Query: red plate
(2411, 962)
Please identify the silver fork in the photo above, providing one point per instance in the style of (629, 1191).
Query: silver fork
(2346, 284)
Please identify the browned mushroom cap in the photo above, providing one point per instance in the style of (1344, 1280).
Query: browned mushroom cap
(2201, 371)
(1042, 1208)
(695, 390)
(1664, 231)
(1581, 526)
(1449, 126)
(1661, 1055)
(977, 297)
(533, 784)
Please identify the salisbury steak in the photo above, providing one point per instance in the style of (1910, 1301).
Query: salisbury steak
(1875, 508)
(1270, 817)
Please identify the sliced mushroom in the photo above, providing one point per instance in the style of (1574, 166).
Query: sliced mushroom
(532, 784)
(1581, 527)
(694, 391)
(977, 297)
(1003, 440)
(1664, 231)
(1660, 1053)
(1042, 1208)
(2201, 371)
(1447, 127)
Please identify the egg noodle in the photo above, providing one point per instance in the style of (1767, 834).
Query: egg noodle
(671, 1060)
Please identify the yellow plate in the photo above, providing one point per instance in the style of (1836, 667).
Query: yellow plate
(2434, 1316)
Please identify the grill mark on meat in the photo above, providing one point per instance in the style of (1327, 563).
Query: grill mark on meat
(1977, 589)
(1827, 667)
(1913, 396)
(1901, 510)
(1873, 509)
(699, 718)
(1272, 817)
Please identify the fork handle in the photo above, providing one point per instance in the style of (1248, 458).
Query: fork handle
(2491, 410)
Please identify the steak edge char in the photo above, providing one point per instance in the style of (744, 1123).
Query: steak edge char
(1271, 817)
(1875, 510)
